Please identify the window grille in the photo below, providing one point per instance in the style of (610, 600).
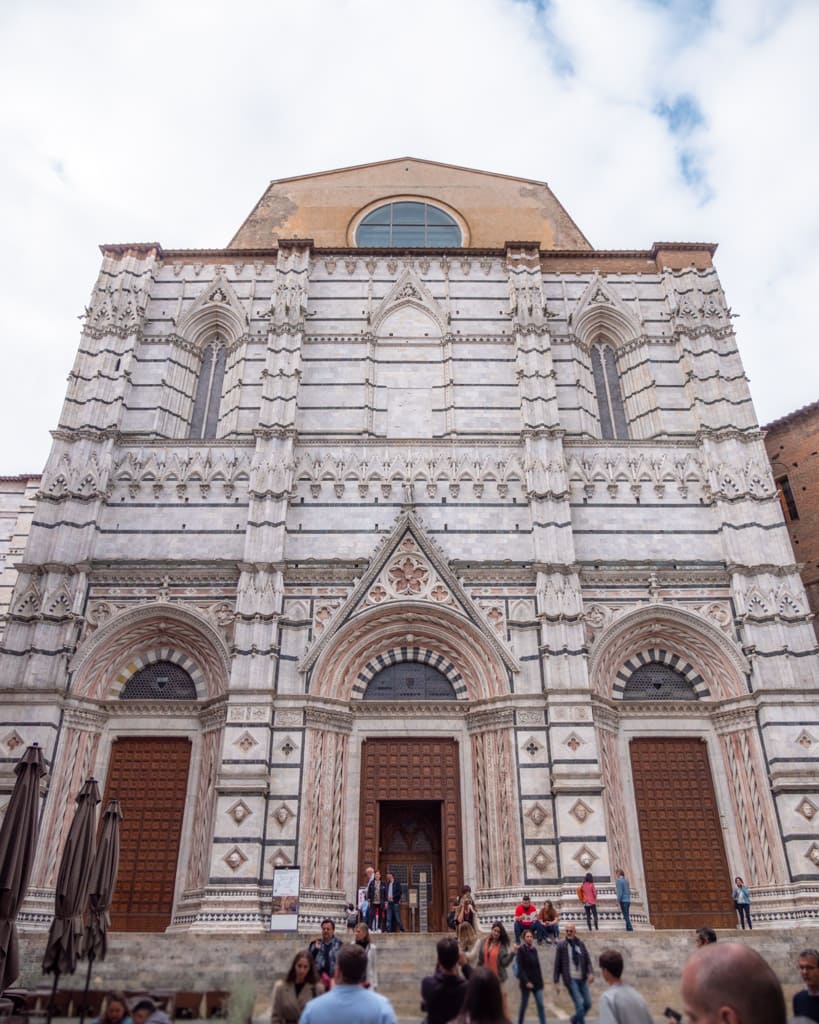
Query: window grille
(410, 680)
(161, 680)
(656, 681)
(613, 424)
(411, 224)
(208, 396)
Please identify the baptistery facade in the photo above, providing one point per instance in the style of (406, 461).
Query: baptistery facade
(410, 530)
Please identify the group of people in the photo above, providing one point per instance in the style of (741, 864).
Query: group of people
(725, 982)
(380, 909)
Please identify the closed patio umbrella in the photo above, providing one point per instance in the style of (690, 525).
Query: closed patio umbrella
(18, 842)
(65, 936)
(101, 891)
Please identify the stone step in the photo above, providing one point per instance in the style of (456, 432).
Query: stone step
(217, 961)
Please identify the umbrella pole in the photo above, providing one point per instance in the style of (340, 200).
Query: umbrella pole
(53, 997)
(87, 985)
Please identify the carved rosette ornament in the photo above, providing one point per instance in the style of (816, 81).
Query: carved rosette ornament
(409, 575)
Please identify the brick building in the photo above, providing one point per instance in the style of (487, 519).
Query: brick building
(376, 537)
(792, 443)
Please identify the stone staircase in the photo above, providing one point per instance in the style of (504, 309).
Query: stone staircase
(203, 963)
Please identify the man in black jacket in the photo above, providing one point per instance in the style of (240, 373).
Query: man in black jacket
(573, 965)
(442, 993)
(530, 976)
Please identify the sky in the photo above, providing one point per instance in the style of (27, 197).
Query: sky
(651, 120)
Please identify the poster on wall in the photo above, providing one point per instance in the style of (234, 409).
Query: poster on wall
(284, 912)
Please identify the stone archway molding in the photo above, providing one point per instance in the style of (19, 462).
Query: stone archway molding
(712, 655)
(407, 627)
(151, 632)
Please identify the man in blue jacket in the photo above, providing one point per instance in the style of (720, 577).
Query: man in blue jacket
(624, 898)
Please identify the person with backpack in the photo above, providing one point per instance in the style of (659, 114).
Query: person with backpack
(589, 890)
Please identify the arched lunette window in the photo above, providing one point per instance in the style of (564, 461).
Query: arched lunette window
(410, 680)
(161, 680)
(408, 223)
(209, 389)
(613, 423)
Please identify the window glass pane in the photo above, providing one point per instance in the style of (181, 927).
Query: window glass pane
(402, 224)
(379, 216)
(376, 234)
(436, 216)
(616, 397)
(201, 400)
(444, 236)
(403, 234)
(216, 393)
(606, 426)
(408, 213)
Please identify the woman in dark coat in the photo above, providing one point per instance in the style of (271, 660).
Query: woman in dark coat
(530, 977)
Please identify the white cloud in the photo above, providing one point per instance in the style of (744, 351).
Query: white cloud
(158, 121)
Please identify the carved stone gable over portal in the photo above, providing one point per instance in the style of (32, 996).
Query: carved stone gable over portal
(410, 567)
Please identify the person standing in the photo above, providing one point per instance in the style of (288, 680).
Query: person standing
(495, 953)
(530, 976)
(362, 938)
(729, 981)
(293, 992)
(589, 890)
(376, 896)
(348, 1002)
(442, 993)
(806, 1002)
(742, 902)
(393, 904)
(704, 937)
(364, 906)
(483, 1002)
(624, 898)
(573, 966)
(324, 951)
(620, 1002)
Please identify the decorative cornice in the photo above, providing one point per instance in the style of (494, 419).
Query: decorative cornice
(329, 721)
(86, 718)
(409, 709)
(489, 720)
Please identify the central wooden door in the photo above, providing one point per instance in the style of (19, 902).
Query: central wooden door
(410, 843)
(688, 883)
(149, 776)
(410, 814)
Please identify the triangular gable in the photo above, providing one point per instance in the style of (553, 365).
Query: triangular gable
(409, 567)
(409, 290)
(217, 304)
(600, 308)
(493, 207)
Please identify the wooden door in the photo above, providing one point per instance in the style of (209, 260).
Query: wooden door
(410, 841)
(413, 771)
(688, 884)
(149, 776)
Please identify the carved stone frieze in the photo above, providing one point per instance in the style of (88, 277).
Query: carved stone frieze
(89, 719)
(329, 721)
(180, 472)
(398, 465)
(489, 720)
